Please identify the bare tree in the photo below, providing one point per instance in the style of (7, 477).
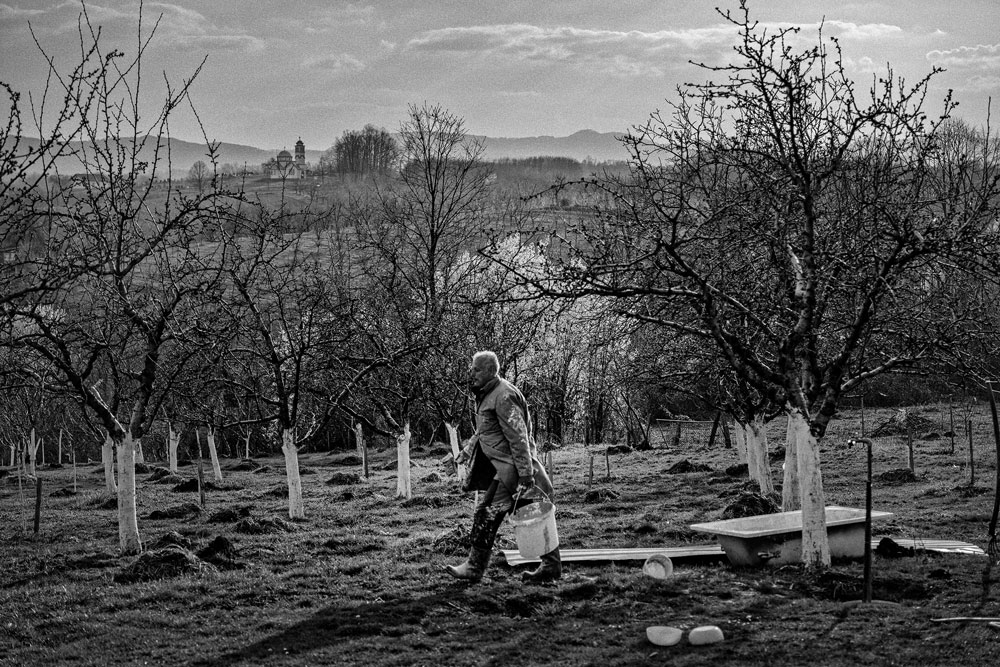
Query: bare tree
(137, 270)
(794, 226)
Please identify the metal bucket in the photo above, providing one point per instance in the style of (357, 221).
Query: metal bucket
(535, 529)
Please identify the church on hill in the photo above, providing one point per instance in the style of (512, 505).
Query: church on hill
(285, 167)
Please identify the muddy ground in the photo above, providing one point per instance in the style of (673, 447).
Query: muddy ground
(361, 580)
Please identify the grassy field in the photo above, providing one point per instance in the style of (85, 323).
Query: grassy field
(361, 580)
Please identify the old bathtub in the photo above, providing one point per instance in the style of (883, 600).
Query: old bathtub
(776, 539)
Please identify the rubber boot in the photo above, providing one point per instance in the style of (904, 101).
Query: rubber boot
(485, 524)
(549, 570)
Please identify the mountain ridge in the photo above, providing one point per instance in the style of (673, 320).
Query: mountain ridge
(583, 146)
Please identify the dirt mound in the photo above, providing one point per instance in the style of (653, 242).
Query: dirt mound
(170, 561)
(903, 422)
(685, 465)
(247, 465)
(897, 476)
(345, 460)
(619, 449)
(157, 473)
(169, 478)
(738, 470)
(63, 492)
(424, 501)
(343, 478)
(175, 512)
(173, 538)
(107, 503)
(230, 514)
(259, 526)
(221, 553)
(600, 495)
(750, 504)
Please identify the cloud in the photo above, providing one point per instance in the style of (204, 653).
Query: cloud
(7, 12)
(860, 31)
(981, 56)
(335, 63)
(219, 42)
(624, 52)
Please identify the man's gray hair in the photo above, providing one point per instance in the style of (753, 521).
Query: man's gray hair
(490, 358)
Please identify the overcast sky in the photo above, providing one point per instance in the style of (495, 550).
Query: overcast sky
(511, 68)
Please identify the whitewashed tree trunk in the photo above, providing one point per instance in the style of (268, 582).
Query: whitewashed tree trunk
(173, 442)
(41, 447)
(30, 451)
(757, 461)
(359, 440)
(791, 499)
(246, 444)
(403, 489)
(453, 440)
(740, 435)
(59, 458)
(128, 524)
(214, 454)
(815, 545)
(13, 453)
(139, 457)
(296, 508)
(108, 457)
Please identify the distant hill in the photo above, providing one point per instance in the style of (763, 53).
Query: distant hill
(583, 145)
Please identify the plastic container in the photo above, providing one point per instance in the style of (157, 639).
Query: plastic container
(658, 566)
(535, 529)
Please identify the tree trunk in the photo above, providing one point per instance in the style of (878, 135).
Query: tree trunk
(296, 508)
(757, 460)
(403, 463)
(246, 444)
(790, 492)
(59, 458)
(139, 457)
(173, 441)
(31, 451)
(815, 545)
(213, 454)
(128, 524)
(108, 457)
(453, 439)
(741, 441)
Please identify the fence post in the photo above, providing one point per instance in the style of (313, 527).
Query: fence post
(715, 428)
(972, 461)
(951, 417)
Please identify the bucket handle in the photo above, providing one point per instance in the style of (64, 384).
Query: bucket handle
(518, 497)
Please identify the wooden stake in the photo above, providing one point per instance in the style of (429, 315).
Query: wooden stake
(972, 461)
(725, 433)
(590, 479)
(715, 428)
(607, 461)
(201, 471)
(951, 417)
(38, 503)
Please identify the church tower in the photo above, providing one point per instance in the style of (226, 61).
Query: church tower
(300, 153)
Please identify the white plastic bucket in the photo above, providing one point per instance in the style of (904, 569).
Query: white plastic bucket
(535, 529)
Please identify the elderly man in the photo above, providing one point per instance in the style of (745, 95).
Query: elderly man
(503, 438)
